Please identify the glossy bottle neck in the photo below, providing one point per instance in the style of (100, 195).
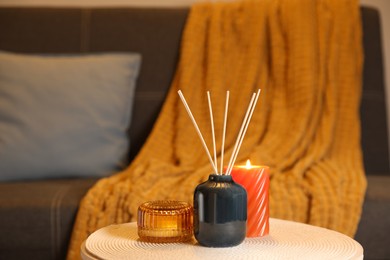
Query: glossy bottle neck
(220, 178)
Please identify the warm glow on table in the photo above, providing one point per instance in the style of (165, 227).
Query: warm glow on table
(255, 179)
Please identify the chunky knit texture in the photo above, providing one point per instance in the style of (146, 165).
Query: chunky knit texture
(306, 56)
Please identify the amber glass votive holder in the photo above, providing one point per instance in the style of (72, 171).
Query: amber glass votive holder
(165, 221)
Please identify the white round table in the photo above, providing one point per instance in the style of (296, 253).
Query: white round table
(287, 240)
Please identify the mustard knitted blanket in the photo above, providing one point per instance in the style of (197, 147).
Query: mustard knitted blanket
(306, 56)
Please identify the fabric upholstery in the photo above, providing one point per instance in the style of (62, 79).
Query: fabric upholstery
(70, 30)
(153, 32)
(36, 217)
(65, 116)
(375, 222)
(373, 107)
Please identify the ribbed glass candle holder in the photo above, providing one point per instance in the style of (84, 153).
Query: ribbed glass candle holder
(165, 221)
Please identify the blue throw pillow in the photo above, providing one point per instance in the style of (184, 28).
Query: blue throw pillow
(65, 116)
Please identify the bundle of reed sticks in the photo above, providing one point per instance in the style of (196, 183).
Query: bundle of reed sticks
(240, 137)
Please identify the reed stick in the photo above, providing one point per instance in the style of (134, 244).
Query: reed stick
(212, 129)
(197, 129)
(224, 128)
(240, 133)
(241, 137)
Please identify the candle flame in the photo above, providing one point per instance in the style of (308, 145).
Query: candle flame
(248, 164)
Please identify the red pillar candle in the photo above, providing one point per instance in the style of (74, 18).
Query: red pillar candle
(255, 179)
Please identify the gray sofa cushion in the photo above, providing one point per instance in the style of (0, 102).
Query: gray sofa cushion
(65, 116)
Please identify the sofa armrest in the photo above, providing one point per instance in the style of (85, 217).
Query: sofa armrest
(374, 226)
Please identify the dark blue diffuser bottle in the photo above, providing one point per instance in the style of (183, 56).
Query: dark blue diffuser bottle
(220, 212)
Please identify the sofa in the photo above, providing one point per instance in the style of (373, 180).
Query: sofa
(36, 216)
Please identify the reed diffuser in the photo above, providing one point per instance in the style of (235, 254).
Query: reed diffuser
(220, 204)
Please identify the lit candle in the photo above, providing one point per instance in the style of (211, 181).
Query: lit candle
(255, 179)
